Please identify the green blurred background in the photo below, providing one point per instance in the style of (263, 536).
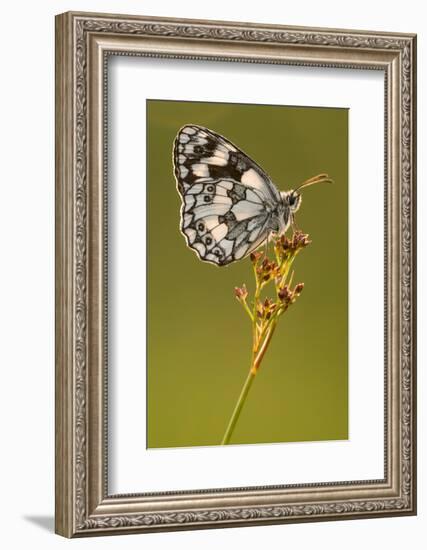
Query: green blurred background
(199, 338)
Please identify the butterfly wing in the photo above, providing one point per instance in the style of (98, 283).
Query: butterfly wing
(228, 200)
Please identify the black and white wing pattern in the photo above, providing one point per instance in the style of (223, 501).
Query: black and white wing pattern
(228, 201)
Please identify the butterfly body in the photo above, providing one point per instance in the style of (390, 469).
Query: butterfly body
(229, 204)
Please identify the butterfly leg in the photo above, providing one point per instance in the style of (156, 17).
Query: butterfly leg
(295, 228)
(266, 245)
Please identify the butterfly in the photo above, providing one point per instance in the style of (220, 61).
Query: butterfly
(230, 206)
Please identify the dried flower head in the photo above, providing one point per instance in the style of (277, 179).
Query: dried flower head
(298, 289)
(285, 295)
(241, 293)
(266, 270)
(255, 257)
(300, 240)
(286, 248)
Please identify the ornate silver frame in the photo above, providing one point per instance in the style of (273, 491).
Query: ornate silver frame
(83, 505)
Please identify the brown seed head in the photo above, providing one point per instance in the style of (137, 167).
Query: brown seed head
(300, 240)
(285, 295)
(255, 257)
(298, 289)
(241, 293)
(268, 303)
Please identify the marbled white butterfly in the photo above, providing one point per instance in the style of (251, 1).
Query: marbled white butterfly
(229, 204)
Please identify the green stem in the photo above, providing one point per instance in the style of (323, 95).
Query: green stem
(254, 313)
(237, 409)
(249, 312)
(286, 271)
(256, 361)
(263, 348)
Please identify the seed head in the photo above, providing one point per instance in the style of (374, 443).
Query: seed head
(255, 257)
(285, 295)
(298, 289)
(241, 293)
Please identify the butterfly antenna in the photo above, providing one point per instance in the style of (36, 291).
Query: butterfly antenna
(321, 178)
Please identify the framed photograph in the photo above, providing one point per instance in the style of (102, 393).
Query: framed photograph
(235, 274)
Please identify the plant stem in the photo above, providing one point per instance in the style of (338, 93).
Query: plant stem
(248, 311)
(286, 271)
(256, 361)
(263, 348)
(237, 409)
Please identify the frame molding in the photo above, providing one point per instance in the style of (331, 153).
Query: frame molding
(83, 43)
